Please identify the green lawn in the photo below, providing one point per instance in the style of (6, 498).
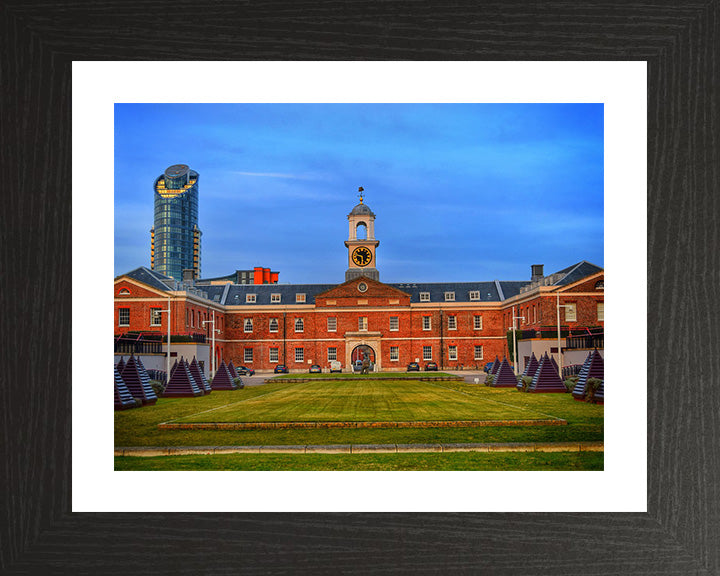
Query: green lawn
(365, 400)
(139, 427)
(373, 462)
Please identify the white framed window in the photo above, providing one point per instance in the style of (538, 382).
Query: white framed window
(449, 296)
(427, 352)
(275, 298)
(155, 317)
(570, 313)
(248, 355)
(299, 298)
(123, 316)
(332, 324)
(601, 311)
(394, 353)
(452, 322)
(394, 323)
(299, 325)
(427, 323)
(250, 298)
(452, 352)
(474, 295)
(273, 326)
(424, 296)
(248, 325)
(477, 322)
(478, 353)
(332, 353)
(299, 354)
(274, 356)
(362, 323)
(124, 292)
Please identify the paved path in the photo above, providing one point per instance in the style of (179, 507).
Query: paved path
(363, 448)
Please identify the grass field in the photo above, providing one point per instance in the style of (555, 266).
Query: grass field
(365, 400)
(451, 461)
(139, 427)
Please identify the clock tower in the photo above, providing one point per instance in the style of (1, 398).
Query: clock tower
(361, 243)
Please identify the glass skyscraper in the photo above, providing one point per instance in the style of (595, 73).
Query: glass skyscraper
(175, 236)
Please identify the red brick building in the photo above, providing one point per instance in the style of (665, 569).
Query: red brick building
(458, 325)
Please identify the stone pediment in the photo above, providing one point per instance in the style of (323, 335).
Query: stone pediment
(362, 291)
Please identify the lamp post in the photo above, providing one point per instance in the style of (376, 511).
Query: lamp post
(560, 357)
(167, 378)
(212, 351)
(515, 354)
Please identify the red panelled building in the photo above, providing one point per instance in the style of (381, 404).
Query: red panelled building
(458, 325)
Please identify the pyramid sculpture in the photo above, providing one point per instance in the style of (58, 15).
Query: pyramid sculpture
(199, 377)
(120, 365)
(594, 367)
(504, 377)
(222, 379)
(231, 369)
(495, 366)
(138, 382)
(182, 383)
(546, 378)
(123, 398)
(531, 367)
(578, 391)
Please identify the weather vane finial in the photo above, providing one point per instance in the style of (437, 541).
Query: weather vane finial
(361, 190)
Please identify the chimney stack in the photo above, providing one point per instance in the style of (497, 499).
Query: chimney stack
(537, 272)
(189, 276)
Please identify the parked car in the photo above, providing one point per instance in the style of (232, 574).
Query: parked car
(244, 371)
(357, 366)
(413, 367)
(315, 369)
(335, 366)
(281, 369)
(431, 366)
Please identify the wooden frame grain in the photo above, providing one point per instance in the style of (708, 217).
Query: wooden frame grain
(680, 531)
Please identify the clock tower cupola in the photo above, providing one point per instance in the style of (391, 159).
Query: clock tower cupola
(361, 243)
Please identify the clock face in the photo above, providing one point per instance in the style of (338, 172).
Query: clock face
(362, 256)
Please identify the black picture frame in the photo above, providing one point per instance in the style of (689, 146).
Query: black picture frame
(680, 532)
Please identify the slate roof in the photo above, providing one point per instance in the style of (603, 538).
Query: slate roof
(151, 278)
(235, 294)
(577, 272)
(488, 290)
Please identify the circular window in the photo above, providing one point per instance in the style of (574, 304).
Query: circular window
(362, 287)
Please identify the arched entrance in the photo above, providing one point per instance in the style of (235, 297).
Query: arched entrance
(363, 351)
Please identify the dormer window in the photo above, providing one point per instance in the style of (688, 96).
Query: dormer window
(300, 298)
(424, 296)
(250, 298)
(274, 298)
(449, 296)
(475, 295)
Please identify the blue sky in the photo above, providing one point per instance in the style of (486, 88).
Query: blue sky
(461, 192)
